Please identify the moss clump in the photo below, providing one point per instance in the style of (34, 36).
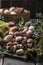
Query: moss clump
(3, 27)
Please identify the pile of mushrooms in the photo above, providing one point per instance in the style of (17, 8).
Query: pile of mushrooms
(15, 13)
(17, 40)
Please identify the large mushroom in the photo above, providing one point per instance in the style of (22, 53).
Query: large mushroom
(8, 38)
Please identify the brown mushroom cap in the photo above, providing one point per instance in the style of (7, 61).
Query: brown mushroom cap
(12, 29)
(30, 40)
(29, 33)
(19, 10)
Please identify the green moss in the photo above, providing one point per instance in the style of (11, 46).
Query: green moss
(3, 27)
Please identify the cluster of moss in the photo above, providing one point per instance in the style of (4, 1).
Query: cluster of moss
(3, 28)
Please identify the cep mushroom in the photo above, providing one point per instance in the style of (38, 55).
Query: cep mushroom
(29, 33)
(8, 38)
(13, 29)
(29, 42)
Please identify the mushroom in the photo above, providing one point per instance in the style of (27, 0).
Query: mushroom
(13, 29)
(19, 10)
(29, 33)
(18, 38)
(29, 42)
(16, 33)
(6, 11)
(8, 38)
(12, 23)
(20, 52)
(13, 13)
(12, 9)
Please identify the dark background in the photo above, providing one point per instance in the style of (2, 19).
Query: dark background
(32, 5)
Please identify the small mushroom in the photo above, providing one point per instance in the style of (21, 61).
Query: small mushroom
(11, 33)
(12, 23)
(12, 9)
(20, 52)
(29, 42)
(13, 29)
(19, 10)
(8, 38)
(29, 33)
(6, 11)
(18, 38)
(16, 33)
